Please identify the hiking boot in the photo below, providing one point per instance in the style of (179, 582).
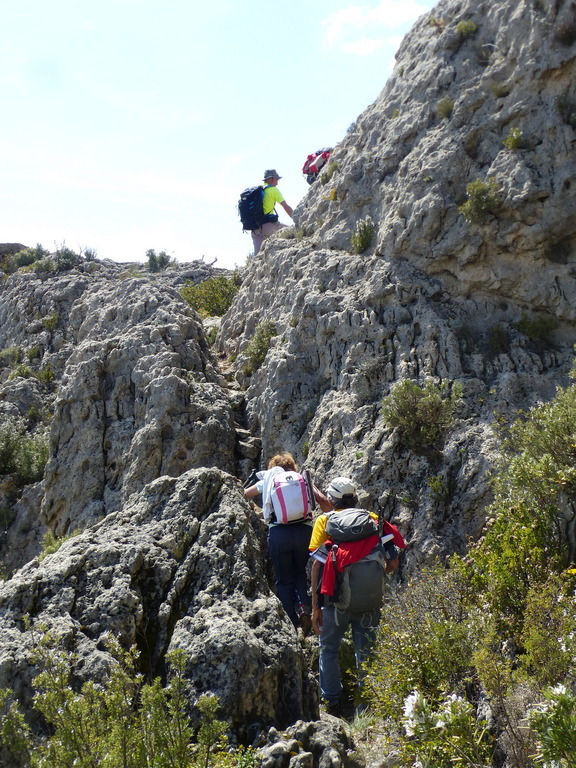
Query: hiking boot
(333, 708)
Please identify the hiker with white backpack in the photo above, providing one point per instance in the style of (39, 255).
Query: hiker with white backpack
(287, 503)
(351, 559)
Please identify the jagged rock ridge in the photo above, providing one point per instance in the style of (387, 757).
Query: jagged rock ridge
(146, 433)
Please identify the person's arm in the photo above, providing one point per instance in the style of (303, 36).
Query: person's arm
(249, 493)
(391, 565)
(323, 501)
(392, 557)
(316, 610)
(287, 208)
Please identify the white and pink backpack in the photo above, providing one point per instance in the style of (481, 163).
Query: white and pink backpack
(286, 497)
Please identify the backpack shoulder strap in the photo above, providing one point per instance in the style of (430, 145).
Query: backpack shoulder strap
(267, 508)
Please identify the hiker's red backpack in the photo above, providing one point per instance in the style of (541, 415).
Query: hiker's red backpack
(314, 163)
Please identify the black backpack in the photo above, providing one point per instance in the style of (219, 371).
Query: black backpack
(251, 209)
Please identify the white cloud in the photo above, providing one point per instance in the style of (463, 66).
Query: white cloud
(363, 47)
(346, 28)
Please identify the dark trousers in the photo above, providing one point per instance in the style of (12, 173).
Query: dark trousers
(288, 546)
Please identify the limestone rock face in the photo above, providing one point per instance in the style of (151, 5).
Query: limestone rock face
(140, 383)
(160, 550)
(178, 567)
(137, 397)
(480, 91)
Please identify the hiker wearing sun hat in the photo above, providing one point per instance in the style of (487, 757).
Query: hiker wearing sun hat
(272, 195)
(350, 560)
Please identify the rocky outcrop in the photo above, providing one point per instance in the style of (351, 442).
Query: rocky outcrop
(323, 742)
(178, 567)
(480, 91)
(135, 392)
(160, 549)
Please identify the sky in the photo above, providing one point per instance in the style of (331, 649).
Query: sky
(135, 124)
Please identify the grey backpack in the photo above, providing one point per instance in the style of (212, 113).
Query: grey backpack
(350, 525)
(361, 585)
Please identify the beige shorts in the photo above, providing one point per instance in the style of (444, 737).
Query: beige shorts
(259, 235)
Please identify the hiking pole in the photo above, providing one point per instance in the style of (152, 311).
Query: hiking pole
(252, 479)
(309, 487)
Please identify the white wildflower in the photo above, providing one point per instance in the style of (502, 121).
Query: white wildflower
(415, 712)
(558, 690)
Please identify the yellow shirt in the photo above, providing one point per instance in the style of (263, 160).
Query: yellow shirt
(272, 195)
(319, 534)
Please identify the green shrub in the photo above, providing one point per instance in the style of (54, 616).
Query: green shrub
(23, 258)
(471, 144)
(52, 543)
(42, 266)
(329, 171)
(22, 454)
(10, 356)
(466, 28)
(34, 353)
(64, 258)
(483, 198)
(15, 733)
(567, 109)
(421, 413)
(29, 256)
(117, 721)
(497, 624)
(445, 733)
(21, 371)
(258, 346)
(362, 238)
(539, 328)
(425, 643)
(555, 725)
(51, 321)
(514, 140)
(45, 375)
(212, 297)
(439, 488)
(498, 341)
(549, 631)
(445, 107)
(526, 538)
(157, 261)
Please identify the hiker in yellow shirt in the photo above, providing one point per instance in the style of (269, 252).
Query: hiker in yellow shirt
(272, 195)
